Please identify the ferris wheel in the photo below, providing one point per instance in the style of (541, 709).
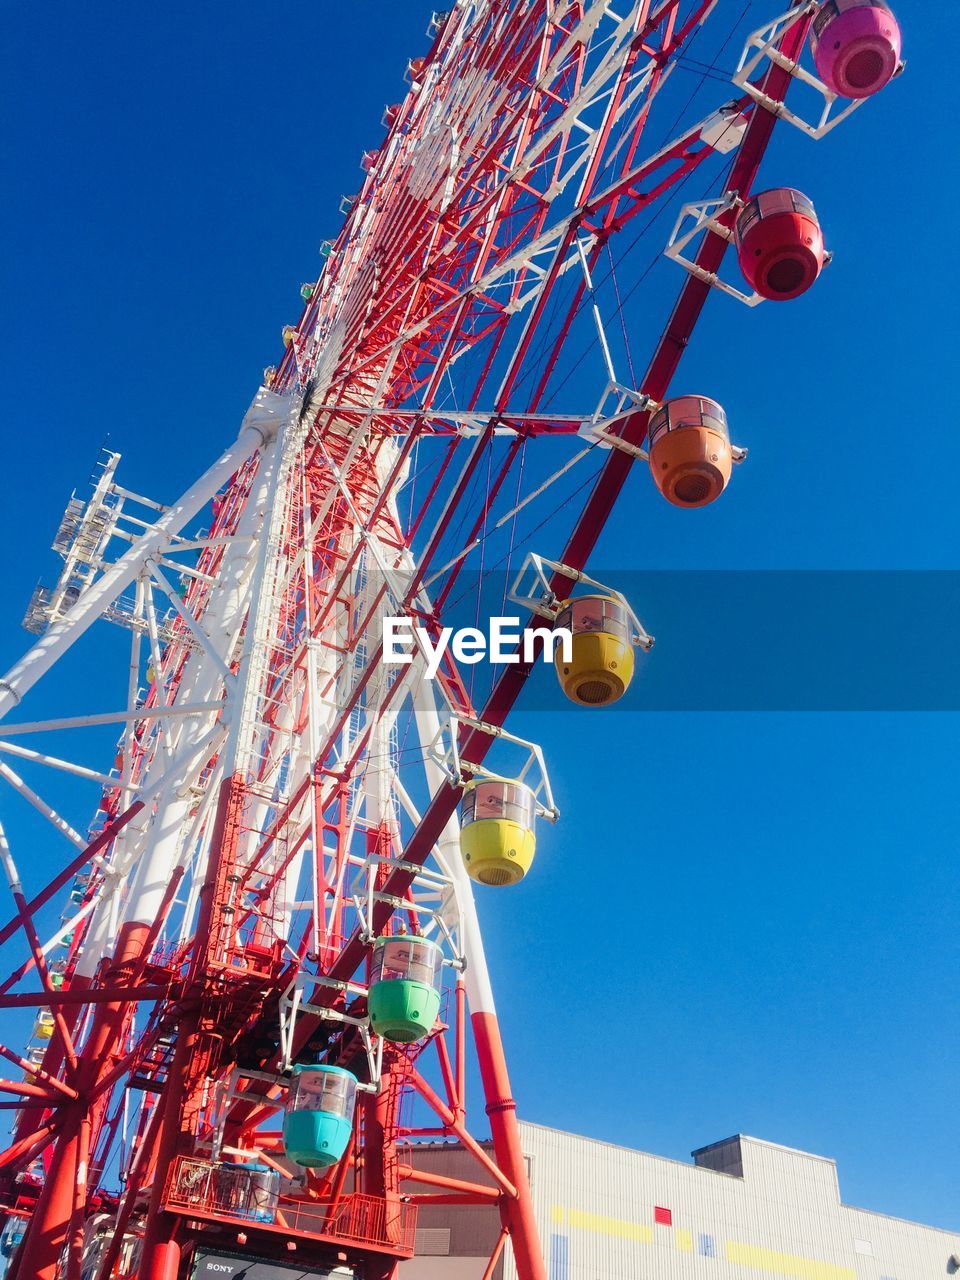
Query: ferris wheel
(268, 985)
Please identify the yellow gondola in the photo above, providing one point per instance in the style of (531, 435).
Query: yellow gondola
(497, 838)
(600, 667)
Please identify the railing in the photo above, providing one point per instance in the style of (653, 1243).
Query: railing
(362, 1219)
(233, 1193)
(169, 957)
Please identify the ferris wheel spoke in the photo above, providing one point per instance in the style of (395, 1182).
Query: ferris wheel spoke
(55, 762)
(41, 806)
(137, 714)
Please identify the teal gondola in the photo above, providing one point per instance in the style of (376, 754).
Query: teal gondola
(319, 1114)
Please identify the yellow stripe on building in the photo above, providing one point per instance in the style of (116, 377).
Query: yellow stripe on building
(609, 1226)
(558, 1215)
(785, 1264)
(684, 1239)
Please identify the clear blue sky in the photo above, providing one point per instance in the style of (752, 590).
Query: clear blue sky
(745, 921)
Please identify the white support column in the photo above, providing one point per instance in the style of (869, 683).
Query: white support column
(154, 841)
(476, 975)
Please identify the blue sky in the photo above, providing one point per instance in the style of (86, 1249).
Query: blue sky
(744, 921)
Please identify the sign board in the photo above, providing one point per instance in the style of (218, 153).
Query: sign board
(225, 1266)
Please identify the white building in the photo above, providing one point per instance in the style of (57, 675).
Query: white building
(743, 1209)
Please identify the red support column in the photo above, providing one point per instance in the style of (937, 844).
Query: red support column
(161, 1252)
(516, 1211)
(39, 1254)
(381, 1168)
(161, 1248)
(75, 1235)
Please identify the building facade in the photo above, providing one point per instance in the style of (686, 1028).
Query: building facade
(744, 1208)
